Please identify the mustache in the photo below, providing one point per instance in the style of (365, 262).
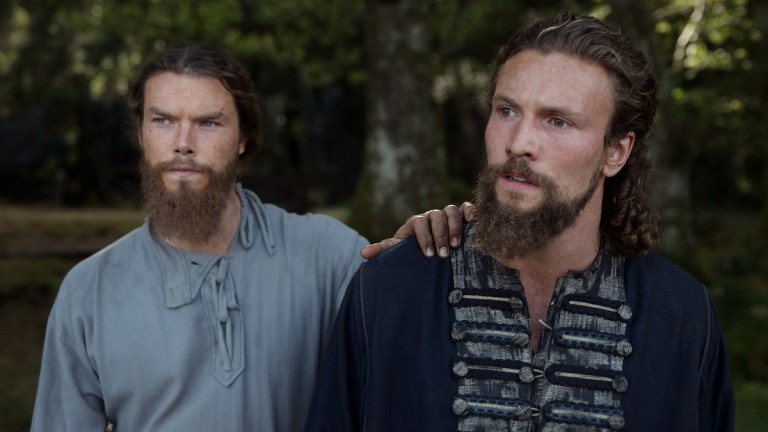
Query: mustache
(520, 168)
(182, 164)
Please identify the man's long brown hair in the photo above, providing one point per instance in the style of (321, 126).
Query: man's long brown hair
(628, 223)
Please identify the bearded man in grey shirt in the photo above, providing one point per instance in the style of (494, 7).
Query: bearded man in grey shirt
(214, 314)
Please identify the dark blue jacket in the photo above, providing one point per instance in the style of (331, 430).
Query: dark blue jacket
(388, 364)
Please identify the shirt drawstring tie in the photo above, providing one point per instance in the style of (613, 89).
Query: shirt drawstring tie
(224, 328)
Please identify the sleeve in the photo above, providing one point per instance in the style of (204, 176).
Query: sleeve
(336, 253)
(68, 394)
(338, 248)
(716, 398)
(340, 393)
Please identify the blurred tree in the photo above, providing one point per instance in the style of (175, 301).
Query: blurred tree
(404, 166)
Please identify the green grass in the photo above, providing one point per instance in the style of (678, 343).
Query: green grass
(22, 329)
(31, 277)
(40, 227)
(751, 407)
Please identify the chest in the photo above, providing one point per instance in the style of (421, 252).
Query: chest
(551, 362)
(145, 351)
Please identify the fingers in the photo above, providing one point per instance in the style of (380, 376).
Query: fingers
(434, 229)
(455, 224)
(373, 250)
(419, 225)
(438, 230)
(468, 211)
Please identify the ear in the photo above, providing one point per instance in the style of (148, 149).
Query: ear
(616, 155)
(241, 148)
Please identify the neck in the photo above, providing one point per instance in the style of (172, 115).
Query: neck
(573, 249)
(221, 240)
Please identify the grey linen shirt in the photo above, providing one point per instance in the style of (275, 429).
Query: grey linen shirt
(154, 339)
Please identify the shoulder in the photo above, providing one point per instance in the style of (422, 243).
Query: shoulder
(406, 255)
(316, 243)
(118, 255)
(665, 297)
(402, 267)
(401, 288)
(105, 268)
(93, 281)
(655, 275)
(657, 267)
(288, 227)
(309, 224)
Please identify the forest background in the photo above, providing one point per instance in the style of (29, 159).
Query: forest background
(373, 110)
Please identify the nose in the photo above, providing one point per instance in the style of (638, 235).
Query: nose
(522, 140)
(184, 142)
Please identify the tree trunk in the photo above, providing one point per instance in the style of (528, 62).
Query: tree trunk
(404, 165)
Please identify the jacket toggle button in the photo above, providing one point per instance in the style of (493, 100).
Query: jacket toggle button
(623, 348)
(459, 331)
(454, 297)
(460, 368)
(460, 407)
(620, 384)
(515, 304)
(625, 312)
(526, 374)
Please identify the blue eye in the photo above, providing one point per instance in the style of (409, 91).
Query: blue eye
(160, 120)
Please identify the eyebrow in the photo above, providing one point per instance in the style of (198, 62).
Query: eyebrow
(562, 112)
(549, 109)
(213, 115)
(158, 111)
(502, 99)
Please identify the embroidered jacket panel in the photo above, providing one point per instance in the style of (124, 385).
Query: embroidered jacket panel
(574, 380)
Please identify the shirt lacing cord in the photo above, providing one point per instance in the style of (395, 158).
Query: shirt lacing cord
(224, 327)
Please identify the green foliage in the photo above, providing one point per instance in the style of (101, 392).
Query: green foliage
(732, 260)
(715, 66)
(751, 400)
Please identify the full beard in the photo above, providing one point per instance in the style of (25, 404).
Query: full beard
(504, 231)
(186, 215)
